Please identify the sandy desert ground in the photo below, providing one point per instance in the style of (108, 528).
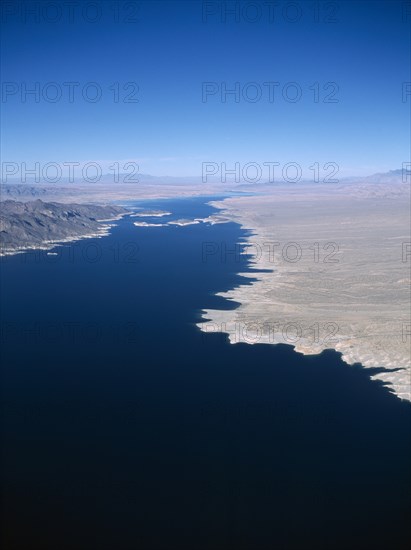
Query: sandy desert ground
(332, 270)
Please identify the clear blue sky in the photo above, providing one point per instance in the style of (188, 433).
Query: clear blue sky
(173, 48)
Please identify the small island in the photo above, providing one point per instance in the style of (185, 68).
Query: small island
(184, 222)
(151, 214)
(146, 224)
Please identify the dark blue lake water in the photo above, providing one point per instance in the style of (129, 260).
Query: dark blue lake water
(125, 427)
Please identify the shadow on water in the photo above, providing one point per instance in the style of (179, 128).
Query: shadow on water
(126, 427)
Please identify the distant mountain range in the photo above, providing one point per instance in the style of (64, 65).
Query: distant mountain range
(31, 187)
(393, 176)
(119, 179)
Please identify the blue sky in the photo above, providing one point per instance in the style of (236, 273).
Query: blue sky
(172, 49)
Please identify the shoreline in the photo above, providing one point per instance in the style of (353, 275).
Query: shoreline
(305, 294)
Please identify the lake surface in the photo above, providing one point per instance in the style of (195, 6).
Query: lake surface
(125, 427)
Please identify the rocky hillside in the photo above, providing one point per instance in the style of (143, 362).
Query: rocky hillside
(37, 224)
